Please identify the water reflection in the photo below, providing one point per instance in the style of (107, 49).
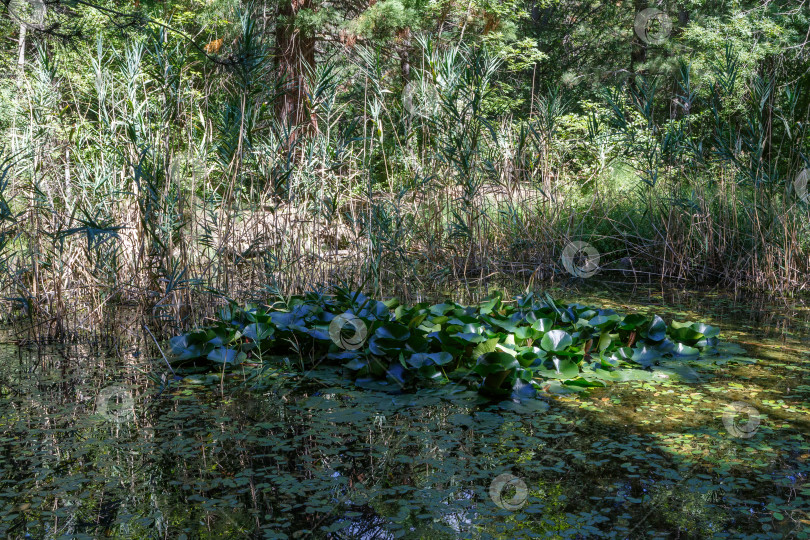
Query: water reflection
(312, 457)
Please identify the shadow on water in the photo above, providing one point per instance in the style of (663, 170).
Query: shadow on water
(97, 440)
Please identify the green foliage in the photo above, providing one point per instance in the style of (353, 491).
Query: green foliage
(504, 350)
(551, 124)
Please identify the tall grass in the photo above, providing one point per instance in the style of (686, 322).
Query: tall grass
(169, 183)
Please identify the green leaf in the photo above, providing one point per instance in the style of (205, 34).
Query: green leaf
(685, 350)
(419, 360)
(556, 340)
(679, 372)
(441, 309)
(604, 322)
(356, 364)
(706, 330)
(563, 369)
(632, 322)
(491, 304)
(258, 331)
(530, 356)
(542, 325)
(604, 342)
(657, 330)
(505, 324)
(224, 355)
(584, 383)
(644, 356)
(393, 331)
(416, 321)
(685, 335)
(487, 346)
(494, 362)
(527, 332)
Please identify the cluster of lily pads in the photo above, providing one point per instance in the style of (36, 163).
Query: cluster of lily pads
(502, 348)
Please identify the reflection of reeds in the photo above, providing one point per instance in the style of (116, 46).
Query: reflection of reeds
(175, 191)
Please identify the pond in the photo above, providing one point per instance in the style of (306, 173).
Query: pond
(95, 443)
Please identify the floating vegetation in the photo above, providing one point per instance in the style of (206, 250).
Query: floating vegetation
(502, 349)
(725, 458)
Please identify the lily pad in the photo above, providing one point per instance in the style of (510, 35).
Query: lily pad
(556, 340)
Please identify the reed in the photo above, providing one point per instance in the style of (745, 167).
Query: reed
(169, 183)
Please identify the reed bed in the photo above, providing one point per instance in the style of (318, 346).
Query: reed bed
(170, 184)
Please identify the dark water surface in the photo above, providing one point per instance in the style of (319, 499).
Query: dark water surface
(93, 443)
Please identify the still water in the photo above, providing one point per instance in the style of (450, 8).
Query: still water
(98, 440)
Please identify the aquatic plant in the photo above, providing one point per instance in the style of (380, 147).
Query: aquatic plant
(504, 349)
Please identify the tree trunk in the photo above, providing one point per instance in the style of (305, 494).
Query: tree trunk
(404, 49)
(638, 54)
(296, 52)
